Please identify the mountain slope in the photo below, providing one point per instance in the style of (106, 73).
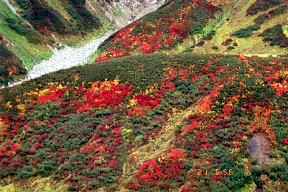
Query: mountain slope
(253, 44)
(203, 27)
(10, 66)
(148, 114)
(33, 30)
(160, 30)
(157, 123)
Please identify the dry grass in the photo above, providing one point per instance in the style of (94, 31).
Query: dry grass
(35, 184)
(247, 46)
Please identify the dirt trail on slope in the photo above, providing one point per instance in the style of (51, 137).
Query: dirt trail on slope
(154, 147)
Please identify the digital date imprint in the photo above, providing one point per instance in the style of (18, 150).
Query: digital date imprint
(216, 172)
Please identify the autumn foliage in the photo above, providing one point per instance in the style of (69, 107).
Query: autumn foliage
(92, 130)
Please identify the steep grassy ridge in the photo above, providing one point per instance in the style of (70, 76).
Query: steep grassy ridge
(34, 27)
(10, 65)
(44, 22)
(27, 52)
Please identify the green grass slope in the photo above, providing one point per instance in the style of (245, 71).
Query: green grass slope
(11, 67)
(26, 51)
(27, 38)
(66, 22)
(151, 122)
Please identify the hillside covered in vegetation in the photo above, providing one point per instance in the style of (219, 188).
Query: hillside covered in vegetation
(37, 24)
(149, 123)
(245, 27)
(36, 30)
(152, 113)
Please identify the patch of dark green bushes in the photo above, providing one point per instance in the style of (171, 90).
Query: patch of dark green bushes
(66, 133)
(41, 15)
(271, 14)
(261, 5)
(275, 36)
(85, 20)
(246, 32)
(199, 17)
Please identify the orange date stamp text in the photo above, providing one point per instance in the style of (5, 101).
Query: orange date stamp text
(201, 172)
